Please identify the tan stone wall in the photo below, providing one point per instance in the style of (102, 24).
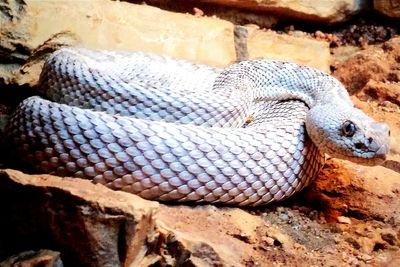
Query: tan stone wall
(120, 25)
(99, 24)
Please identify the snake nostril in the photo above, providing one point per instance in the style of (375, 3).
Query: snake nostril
(370, 139)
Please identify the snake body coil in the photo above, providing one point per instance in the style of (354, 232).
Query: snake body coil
(170, 130)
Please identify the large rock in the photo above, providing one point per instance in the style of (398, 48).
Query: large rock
(32, 28)
(30, 31)
(389, 8)
(298, 49)
(316, 11)
(90, 225)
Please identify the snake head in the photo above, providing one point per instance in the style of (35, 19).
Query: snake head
(348, 133)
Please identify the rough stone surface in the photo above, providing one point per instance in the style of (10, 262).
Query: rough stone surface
(389, 8)
(32, 29)
(42, 258)
(317, 11)
(235, 15)
(89, 224)
(31, 32)
(84, 222)
(376, 63)
(298, 49)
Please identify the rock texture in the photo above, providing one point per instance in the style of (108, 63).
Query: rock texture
(389, 8)
(30, 31)
(316, 11)
(269, 44)
(89, 224)
(43, 258)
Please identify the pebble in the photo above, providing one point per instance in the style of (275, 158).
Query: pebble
(269, 240)
(344, 220)
(284, 216)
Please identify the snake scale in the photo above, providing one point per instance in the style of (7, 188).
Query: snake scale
(165, 129)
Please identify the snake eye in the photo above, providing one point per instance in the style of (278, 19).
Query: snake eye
(348, 129)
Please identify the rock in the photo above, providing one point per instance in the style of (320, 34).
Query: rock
(389, 8)
(30, 27)
(364, 193)
(315, 11)
(344, 219)
(89, 224)
(43, 258)
(362, 32)
(377, 63)
(302, 50)
(31, 32)
(235, 15)
(383, 91)
(92, 225)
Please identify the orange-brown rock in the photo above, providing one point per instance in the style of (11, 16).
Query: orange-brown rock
(376, 63)
(389, 8)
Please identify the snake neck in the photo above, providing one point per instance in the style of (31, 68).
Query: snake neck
(279, 80)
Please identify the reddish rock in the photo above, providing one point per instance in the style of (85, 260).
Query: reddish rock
(380, 64)
(389, 8)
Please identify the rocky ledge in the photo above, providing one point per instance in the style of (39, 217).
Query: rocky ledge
(349, 216)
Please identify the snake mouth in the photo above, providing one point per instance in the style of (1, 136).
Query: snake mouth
(371, 157)
(374, 148)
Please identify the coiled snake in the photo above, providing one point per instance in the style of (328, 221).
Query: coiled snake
(171, 130)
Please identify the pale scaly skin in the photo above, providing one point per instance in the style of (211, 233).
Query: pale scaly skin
(185, 138)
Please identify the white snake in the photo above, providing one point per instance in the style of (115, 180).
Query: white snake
(170, 130)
